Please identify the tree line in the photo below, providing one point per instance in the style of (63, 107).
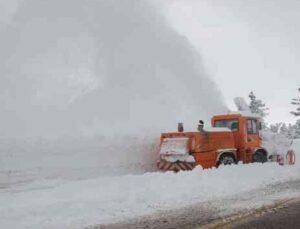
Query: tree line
(291, 131)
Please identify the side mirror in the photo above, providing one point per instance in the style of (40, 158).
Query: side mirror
(260, 126)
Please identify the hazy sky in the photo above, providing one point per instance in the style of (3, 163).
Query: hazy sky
(246, 45)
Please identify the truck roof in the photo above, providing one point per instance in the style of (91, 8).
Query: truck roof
(217, 129)
(238, 114)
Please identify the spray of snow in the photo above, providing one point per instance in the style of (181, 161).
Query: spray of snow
(276, 143)
(76, 71)
(241, 104)
(98, 67)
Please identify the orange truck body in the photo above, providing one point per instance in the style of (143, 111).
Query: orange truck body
(235, 138)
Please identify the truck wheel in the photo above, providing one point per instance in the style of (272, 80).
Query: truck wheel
(259, 157)
(226, 159)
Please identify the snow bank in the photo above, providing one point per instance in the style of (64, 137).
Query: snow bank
(63, 204)
(275, 143)
(24, 161)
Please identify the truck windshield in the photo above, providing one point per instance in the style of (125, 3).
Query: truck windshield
(232, 124)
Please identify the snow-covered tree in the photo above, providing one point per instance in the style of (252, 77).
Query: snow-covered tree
(275, 128)
(296, 102)
(257, 106)
(291, 131)
(296, 113)
(288, 130)
(297, 129)
(284, 130)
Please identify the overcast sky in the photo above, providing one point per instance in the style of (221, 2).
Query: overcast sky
(246, 45)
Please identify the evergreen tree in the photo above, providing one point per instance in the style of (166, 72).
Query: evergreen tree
(291, 131)
(275, 128)
(257, 106)
(296, 113)
(297, 129)
(296, 102)
(284, 130)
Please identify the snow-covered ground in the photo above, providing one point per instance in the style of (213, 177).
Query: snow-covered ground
(27, 160)
(65, 203)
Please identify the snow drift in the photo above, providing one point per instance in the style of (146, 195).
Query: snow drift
(276, 143)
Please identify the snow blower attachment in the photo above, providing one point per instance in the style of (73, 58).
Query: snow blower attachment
(233, 138)
(175, 154)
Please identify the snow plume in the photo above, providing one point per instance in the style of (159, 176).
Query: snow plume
(87, 67)
(241, 104)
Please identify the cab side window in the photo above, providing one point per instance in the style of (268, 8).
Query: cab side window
(232, 124)
(252, 127)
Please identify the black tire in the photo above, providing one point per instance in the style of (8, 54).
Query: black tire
(226, 159)
(260, 157)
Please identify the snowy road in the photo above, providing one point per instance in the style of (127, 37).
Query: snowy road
(284, 216)
(104, 200)
(214, 212)
(60, 203)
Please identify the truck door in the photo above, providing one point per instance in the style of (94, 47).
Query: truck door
(252, 139)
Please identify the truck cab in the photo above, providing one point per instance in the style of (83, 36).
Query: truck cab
(246, 133)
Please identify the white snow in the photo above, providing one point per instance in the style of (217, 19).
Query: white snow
(175, 149)
(75, 204)
(248, 114)
(89, 69)
(190, 158)
(241, 104)
(226, 150)
(174, 146)
(275, 143)
(217, 129)
(26, 160)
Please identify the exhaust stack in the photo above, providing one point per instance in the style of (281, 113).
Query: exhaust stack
(180, 127)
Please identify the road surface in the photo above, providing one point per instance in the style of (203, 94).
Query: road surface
(284, 216)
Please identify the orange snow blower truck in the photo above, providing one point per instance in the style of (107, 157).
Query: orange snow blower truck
(232, 138)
